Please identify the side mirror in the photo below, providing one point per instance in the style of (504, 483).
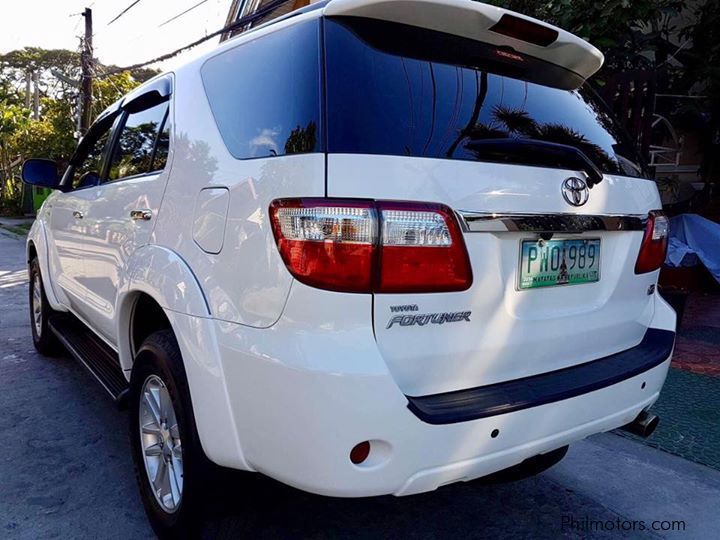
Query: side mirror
(41, 173)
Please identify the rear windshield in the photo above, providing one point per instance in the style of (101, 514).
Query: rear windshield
(399, 90)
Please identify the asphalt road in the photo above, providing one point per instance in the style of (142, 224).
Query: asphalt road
(66, 472)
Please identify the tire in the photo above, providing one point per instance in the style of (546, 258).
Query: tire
(528, 468)
(44, 340)
(159, 368)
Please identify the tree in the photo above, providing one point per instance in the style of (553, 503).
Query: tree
(679, 40)
(53, 134)
(107, 90)
(631, 33)
(16, 64)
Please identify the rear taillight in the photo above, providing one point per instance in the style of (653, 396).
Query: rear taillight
(327, 243)
(654, 244)
(422, 249)
(371, 246)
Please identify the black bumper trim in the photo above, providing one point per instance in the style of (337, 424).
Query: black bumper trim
(518, 394)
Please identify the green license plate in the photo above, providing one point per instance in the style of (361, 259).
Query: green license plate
(559, 262)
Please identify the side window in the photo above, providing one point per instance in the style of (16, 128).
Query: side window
(87, 172)
(136, 146)
(265, 94)
(162, 146)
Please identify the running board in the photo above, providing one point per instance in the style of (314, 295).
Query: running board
(94, 354)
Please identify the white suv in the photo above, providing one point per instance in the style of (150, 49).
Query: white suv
(372, 247)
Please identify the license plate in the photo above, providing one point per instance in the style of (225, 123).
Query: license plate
(559, 262)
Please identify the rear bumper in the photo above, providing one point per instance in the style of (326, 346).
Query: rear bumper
(303, 393)
(515, 395)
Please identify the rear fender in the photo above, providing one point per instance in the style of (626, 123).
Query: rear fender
(164, 276)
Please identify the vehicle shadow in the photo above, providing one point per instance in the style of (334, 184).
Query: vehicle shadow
(252, 506)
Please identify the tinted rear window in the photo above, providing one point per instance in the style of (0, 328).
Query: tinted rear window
(265, 94)
(399, 90)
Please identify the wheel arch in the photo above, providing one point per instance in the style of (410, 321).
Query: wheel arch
(30, 250)
(139, 315)
(165, 276)
(157, 282)
(36, 246)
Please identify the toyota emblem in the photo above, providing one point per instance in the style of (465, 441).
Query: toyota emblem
(575, 191)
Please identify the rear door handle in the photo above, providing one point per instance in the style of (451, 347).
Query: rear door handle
(143, 214)
(77, 214)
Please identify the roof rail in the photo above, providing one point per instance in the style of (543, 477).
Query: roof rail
(245, 24)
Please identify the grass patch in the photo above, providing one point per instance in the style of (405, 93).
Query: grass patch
(20, 229)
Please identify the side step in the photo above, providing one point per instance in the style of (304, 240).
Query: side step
(97, 357)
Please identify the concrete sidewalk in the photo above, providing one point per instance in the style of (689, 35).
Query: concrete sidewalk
(66, 471)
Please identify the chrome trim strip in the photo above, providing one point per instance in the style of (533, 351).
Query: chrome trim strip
(549, 223)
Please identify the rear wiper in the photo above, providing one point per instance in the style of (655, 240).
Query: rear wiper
(535, 152)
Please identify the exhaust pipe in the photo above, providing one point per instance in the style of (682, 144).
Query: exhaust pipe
(643, 426)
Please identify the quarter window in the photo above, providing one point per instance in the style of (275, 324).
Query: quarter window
(143, 144)
(265, 94)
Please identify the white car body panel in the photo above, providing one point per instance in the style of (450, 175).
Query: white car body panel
(285, 378)
(615, 311)
(111, 239)
(311, 358)
(67, 232)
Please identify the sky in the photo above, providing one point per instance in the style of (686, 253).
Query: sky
(133, 38)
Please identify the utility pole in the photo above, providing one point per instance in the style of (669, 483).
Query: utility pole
(28, 88)
(86, 59)
(36, 95)
(78, 99)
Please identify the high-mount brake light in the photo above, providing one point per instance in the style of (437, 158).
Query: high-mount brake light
(524, 30)
(654, 243)
(354, 245)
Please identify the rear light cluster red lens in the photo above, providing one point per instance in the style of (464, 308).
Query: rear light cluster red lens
(371, 246)
(654, 244)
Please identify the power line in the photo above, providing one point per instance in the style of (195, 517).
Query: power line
(228, 28)
(123, 12)
(171, 19)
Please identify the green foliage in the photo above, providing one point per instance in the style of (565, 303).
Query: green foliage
(677, 39)
(107, 90)
(50, 137)
(139, 74)
(702, 60)
(302, 139)
(16, 64)
(631, 33)
(53, 134)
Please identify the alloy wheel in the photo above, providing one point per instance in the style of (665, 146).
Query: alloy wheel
(161, 443)
(37, 304)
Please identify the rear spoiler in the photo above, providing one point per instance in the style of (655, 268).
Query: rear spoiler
(481, 22)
